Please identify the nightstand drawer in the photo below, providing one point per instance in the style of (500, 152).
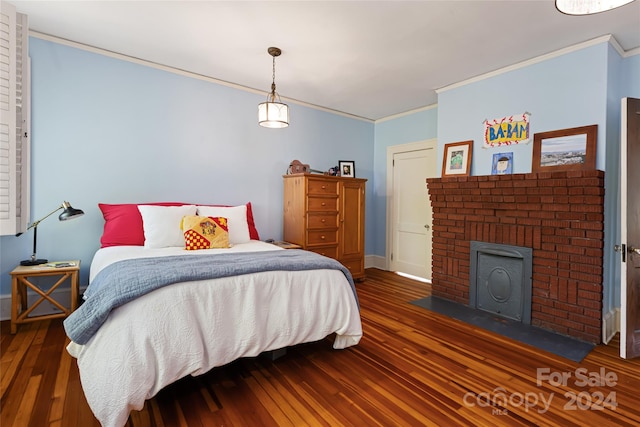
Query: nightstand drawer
(317, 237)
(322, 204)
(328, 220)
(322, 187)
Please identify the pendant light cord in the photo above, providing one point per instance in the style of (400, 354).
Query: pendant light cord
(273, 81)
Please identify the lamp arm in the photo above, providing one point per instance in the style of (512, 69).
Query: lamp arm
(35, 223)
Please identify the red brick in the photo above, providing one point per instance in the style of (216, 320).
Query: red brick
(571, 216)
(588, 225)
(593, 296)
(542, 214)
(525, 184)
(587, 243)
(486, 185)
(586, 208)
(558, 240)
(594, 191)
(560, 190)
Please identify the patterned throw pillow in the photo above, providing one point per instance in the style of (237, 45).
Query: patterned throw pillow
(205, 232)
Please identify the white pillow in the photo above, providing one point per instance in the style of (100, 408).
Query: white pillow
(236, 220)
(161, 225)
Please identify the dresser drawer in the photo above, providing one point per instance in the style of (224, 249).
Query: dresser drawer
(322, 187)
(322, 204)
(322, 220)
(329, 251)
(319, 237)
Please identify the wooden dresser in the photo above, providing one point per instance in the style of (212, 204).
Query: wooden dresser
(325, 214)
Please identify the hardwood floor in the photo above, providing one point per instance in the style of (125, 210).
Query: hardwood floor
(412, 367)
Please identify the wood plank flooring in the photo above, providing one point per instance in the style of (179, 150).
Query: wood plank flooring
(412, 367)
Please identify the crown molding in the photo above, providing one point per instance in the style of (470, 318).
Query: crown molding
(182, 72)
(406, 113)
(602, 39)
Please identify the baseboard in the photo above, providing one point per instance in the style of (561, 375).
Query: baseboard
(375, 261)
(63, 296)
(611, 325)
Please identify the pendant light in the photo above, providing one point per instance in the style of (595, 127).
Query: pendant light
(588, 7)
(273, 113)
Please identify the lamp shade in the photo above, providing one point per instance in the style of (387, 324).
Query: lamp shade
(588, 7)
(273, 115)
(69, 212)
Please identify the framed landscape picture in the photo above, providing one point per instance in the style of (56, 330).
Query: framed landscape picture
(565, 149)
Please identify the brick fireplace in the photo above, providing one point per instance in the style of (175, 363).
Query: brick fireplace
(559, 215)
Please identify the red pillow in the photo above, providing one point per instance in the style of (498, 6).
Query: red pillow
(123, 223)
(253, 231)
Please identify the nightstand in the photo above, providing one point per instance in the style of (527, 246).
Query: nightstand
(20, 282)
(286, 245)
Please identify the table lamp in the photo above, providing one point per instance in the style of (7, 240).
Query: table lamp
(67, 213)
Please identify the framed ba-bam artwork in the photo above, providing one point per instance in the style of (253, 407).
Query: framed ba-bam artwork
(457, 159)
(502, 164)
(565, 149)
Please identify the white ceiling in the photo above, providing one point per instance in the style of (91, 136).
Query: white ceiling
(371, 59)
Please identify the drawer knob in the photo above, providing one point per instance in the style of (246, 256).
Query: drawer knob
(324, 186)
(323, 220)
(324, 204)
(322, 237)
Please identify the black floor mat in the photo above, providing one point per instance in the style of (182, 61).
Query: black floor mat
(567, 347)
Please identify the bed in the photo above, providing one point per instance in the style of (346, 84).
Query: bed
(154, 314)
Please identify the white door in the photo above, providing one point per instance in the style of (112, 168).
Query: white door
(630, 230)
(410, 214)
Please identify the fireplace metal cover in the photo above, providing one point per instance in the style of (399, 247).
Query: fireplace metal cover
(500, 280)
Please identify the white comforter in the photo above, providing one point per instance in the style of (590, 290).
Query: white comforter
(184, 329)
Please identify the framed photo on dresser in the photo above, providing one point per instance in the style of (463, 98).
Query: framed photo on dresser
(347, 168)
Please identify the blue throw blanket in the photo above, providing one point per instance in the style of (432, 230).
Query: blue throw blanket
(126, 280)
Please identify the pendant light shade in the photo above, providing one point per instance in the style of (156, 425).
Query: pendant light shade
(273, 113)
(588, 7)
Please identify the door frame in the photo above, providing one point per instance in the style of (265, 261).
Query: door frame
(625, 351)
(623, 230)
(391, 151)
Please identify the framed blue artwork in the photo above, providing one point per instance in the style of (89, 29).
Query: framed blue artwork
(502, 164)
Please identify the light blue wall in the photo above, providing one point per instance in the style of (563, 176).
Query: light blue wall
(112, 131)
(419, 126)
(631, 75)
(562, 92)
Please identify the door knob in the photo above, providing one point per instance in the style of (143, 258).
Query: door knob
(634, 250)
(427, 226)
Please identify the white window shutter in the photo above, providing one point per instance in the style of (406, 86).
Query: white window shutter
(14, 121)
